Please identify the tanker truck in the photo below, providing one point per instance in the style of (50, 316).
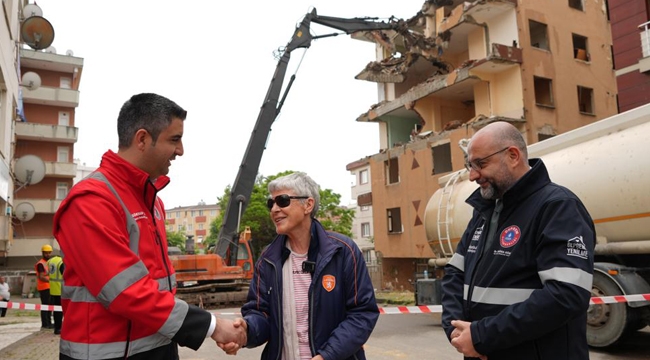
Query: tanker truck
(607, 164)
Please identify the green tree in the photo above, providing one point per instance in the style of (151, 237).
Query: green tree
(177, 239)
(330, 213)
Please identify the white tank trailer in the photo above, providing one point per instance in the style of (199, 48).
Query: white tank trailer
(607, 164)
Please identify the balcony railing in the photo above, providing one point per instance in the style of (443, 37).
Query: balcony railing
(645, 39)
(45, 132)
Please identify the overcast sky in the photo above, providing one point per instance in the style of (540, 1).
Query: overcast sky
(215, 59)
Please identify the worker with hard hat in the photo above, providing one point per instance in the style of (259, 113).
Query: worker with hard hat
(43, 285)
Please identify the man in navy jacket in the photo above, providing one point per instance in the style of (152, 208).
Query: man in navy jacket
(519, 284)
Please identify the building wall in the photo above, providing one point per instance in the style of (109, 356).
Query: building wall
(633, 83)
(559, 64)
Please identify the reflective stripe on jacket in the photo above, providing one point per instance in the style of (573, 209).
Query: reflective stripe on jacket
(54, 272)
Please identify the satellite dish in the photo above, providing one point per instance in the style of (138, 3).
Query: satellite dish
(50, 50)
(37, 32)
(31, 80)
(24, 211)
(32, 10)
(29, 169)
(69, 52)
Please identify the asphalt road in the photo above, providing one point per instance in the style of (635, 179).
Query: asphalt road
(420, 336)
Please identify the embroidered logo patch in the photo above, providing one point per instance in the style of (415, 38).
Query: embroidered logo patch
(329, 282)
(576, 247)
(510, 236)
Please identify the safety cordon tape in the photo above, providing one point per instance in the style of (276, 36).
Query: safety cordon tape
(421, 309)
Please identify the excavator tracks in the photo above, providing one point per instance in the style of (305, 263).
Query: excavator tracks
(214, 296)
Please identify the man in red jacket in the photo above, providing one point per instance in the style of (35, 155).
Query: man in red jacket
(118, 298)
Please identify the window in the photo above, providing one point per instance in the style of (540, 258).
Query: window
(586, 100)
(201, 226)
(178, 214)
(200, 212)
(242, 253)
(180, 228)
(580, 50)
(64, 118)
(542, 137)
(543, 91)
(364, 208)
(394, 220)
(190, 227)
(365, 230)
(392, 171)
(193, 212)
(65, 83)
(213, 212)
(61, 190)
(363, 177)
(62, 154)
(441, 155)
(576, 4)
(538, 35)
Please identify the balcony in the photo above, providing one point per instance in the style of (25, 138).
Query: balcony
(51, 96)
(51, 62)
(455, 27)
(41, 206)
(60, 169)
(455, 86)
(30, 246)
(46, 132)
(644, 63)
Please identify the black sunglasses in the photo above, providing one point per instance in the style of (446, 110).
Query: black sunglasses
(282, 200)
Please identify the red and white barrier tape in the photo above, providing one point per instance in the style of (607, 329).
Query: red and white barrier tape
(422, 309)
(619, 299)
(25, 306)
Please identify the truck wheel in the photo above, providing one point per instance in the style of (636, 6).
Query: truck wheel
(606, 323)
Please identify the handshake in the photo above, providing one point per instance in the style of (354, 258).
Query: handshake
(230, 335)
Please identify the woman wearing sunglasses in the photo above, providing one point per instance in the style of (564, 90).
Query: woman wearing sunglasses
(311, 296)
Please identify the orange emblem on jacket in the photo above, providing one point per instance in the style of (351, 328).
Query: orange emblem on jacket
(329, 282)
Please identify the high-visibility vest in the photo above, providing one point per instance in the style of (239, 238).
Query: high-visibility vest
(56, 278)
(40, 284)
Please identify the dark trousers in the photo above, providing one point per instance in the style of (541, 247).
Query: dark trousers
(3, 311)
(58, 315)
(46, 316)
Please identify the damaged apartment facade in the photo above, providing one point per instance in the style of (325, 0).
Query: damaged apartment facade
(456, 66)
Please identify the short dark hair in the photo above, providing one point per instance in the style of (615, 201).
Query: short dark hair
(147, 111)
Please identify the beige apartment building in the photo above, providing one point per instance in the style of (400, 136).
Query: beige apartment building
(546, 67)
(193, 220)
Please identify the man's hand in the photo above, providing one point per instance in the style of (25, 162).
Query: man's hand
(461, 339)
(231, 347)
